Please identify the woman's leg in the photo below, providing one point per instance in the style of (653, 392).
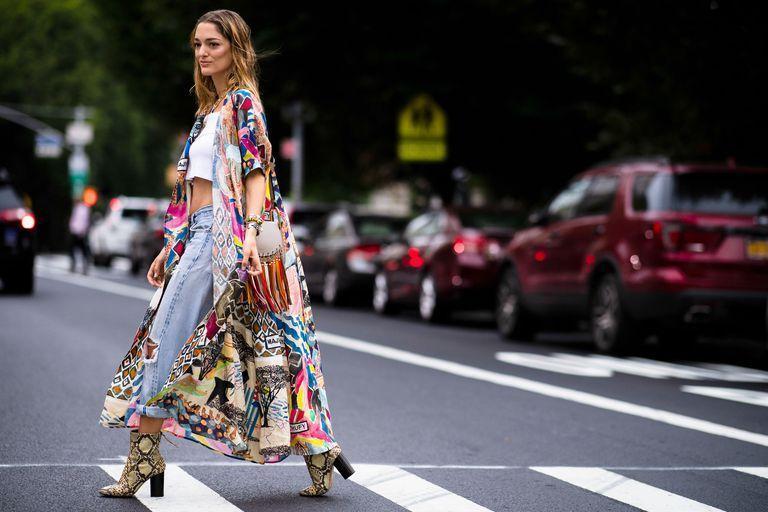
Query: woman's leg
(149, 425)
(186, 300)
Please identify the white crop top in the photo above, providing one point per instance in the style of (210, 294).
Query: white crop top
(201, 150)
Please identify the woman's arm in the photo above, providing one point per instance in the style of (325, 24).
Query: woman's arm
(256, 155)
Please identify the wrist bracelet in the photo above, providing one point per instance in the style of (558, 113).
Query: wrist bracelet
(254, 218)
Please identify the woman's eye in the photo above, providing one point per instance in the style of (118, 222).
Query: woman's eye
(214, 44)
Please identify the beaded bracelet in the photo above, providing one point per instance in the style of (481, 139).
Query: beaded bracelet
(256, 225)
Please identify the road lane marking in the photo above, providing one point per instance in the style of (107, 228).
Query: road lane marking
(410, 491)
(542, 388)
(599, 365)
(756, 471)
(553, 363)
(746, 396)
(620, 488)
(496, 467)
(480, 374)
(184, 493)
(96, 283)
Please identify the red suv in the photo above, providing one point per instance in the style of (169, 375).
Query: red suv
(644, 247)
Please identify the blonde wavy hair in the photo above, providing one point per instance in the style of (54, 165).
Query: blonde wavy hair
(244, 72)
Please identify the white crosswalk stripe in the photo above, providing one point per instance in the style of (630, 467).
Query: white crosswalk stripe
(410, 491)
(626, 490)
(187, 493)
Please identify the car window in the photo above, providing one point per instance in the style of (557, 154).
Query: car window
(373, 225)
(726, 192)
(9, 199)
(421, 225)
(481, 219)
(599, 197)
(337, 225)
(564, 205)
(134, 213)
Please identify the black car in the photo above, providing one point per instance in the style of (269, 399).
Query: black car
(338, 252)
(18, 241)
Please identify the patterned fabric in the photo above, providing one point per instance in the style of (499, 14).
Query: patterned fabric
(248, 381)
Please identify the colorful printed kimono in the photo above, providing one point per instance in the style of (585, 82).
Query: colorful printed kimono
(248, 381)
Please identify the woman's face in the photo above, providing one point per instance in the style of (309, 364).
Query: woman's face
(212, 50)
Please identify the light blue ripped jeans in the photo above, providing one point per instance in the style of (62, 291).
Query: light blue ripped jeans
(186, 300)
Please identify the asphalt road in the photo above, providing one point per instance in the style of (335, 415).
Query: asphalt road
(435, 418)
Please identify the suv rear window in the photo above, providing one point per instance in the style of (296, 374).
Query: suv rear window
(732, 193)
(490, 219)
(8, 198)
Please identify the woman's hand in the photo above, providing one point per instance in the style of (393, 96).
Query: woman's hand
(156, 271)
(251, 261)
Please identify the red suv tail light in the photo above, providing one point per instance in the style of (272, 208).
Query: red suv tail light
(21, 215)
(682, 237)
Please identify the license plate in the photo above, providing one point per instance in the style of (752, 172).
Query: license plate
(757, 249)
(10, 237)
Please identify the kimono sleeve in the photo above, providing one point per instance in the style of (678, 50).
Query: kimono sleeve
(255, 148)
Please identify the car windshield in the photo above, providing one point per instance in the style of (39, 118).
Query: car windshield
(134, 213)
(731, 193)
(480, 219)
(369, 225)
(9, 199)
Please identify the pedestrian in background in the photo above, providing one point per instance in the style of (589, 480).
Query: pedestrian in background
(226, 354)
(79, 224)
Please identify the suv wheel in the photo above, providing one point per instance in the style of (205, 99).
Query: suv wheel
(331, 287)
(431, 308)
(382, 304)
(512, 320)
(612, 329)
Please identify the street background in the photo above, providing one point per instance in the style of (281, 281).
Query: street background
(391, 125)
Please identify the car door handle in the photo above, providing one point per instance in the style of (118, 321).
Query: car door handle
(599, 229)
(554, 236)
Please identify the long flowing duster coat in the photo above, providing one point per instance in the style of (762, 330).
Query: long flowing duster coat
(248, 381)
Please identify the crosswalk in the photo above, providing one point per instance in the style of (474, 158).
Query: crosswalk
(406, 490)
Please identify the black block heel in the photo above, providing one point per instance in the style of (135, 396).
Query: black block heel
(343, 466)
(156, 485)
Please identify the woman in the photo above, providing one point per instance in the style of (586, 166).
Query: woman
(226, 354)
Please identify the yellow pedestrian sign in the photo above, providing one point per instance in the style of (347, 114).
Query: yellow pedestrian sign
(422, 129)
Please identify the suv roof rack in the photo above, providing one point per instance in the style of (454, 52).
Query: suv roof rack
(656, 159)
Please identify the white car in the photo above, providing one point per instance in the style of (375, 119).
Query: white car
(111, 236)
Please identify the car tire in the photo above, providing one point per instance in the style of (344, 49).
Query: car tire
(513, 321)
(22, 280)
(330, 292)
(431, 308)
(135, 267)
(382, 303)
(613, 331)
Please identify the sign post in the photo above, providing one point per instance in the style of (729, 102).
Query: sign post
(422, 130)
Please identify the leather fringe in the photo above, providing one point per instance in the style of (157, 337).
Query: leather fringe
(269, 290)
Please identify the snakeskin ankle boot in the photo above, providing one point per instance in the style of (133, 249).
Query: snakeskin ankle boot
(144, 463)
(320, 468)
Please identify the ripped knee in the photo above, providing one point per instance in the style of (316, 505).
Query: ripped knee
(150, 350)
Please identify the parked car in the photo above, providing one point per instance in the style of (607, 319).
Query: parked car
(447, 258)
(111, 236)
(306, 218)
(19, 241)
(338, 254)
(147, 242)
(644, 247)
